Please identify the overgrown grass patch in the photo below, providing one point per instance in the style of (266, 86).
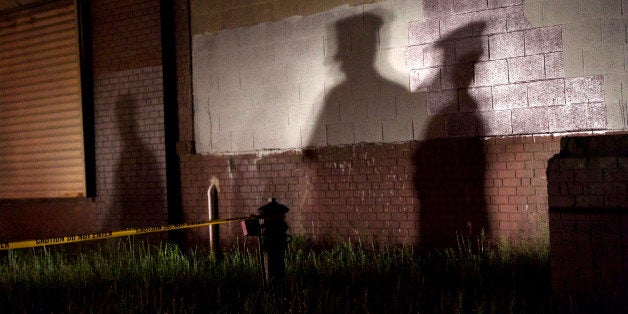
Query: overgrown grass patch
(133, 277)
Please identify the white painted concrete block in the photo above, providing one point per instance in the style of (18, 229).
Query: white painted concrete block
(368, 131)
(353, 110)
(298, 72)
(312, 48)
(340, 134)
(397, 130)
(601, 8)
(284, 51)
(229, 81)
(381, 108)
(221, 142)
(496, 122)
(263, 139)
(242, 140)
(289, 137)
(561, 11)
(582, 34)
(311, 92)
(250, 36)
(574, 64)
(365, 87)
(276, 117)
(252, 76)
(608, 58)
(302, 115)
(274, 32)
(327, 112)
(429, 127)
(390, 64)
(533, 10)
(226, 40)
(287, 94)
(616, 113)
(394, 35)
(614, 30)
(411, 105)
(263, 97)
(276, 75)
(230, 120)
(203, 125)
(313, 136)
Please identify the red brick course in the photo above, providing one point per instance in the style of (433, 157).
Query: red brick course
(368, 192)
(588, 222)
(126, 35)
(130, 157)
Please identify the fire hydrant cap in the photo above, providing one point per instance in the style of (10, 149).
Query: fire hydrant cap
(272, 208)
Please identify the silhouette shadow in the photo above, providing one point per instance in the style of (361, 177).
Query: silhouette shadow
(450, 167)
(140, 199)
(355, 105)
(347, 117)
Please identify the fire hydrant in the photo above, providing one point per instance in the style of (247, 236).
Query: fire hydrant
(270, 227)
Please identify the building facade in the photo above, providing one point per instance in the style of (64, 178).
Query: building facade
(392, 122)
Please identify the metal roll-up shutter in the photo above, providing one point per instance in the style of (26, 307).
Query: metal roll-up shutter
(41, 128)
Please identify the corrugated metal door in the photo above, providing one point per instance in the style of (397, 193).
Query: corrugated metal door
(41, 130)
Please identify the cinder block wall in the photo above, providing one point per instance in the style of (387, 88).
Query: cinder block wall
(588, 203)
(392, 71)
(489, 90)
(380, 180)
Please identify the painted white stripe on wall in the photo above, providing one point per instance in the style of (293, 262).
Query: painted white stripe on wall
(264, 87)
(595, 40)
(488, 69)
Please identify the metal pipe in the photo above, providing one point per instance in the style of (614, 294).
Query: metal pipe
(212, 213)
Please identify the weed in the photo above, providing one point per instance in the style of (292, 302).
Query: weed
(132, 276)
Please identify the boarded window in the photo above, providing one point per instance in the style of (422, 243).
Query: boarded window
(41, 128)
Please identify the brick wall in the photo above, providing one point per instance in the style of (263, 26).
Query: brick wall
(412, 168)
(126, 35)
(413, 183)
(37, 218)
(130, 153)
(588, 202)
(128, 114)
(184, 77)
(130, 166)
(420, 193)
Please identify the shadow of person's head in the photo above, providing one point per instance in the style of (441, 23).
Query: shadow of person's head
(465, 41)
(357, 40)
(459, 51)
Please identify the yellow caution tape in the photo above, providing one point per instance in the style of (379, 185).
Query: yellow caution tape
(110, 234)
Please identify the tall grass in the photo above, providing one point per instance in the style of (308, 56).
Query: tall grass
(130, 277)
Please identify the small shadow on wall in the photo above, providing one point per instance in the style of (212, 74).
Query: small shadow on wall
(451, 165)
(139, 180)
